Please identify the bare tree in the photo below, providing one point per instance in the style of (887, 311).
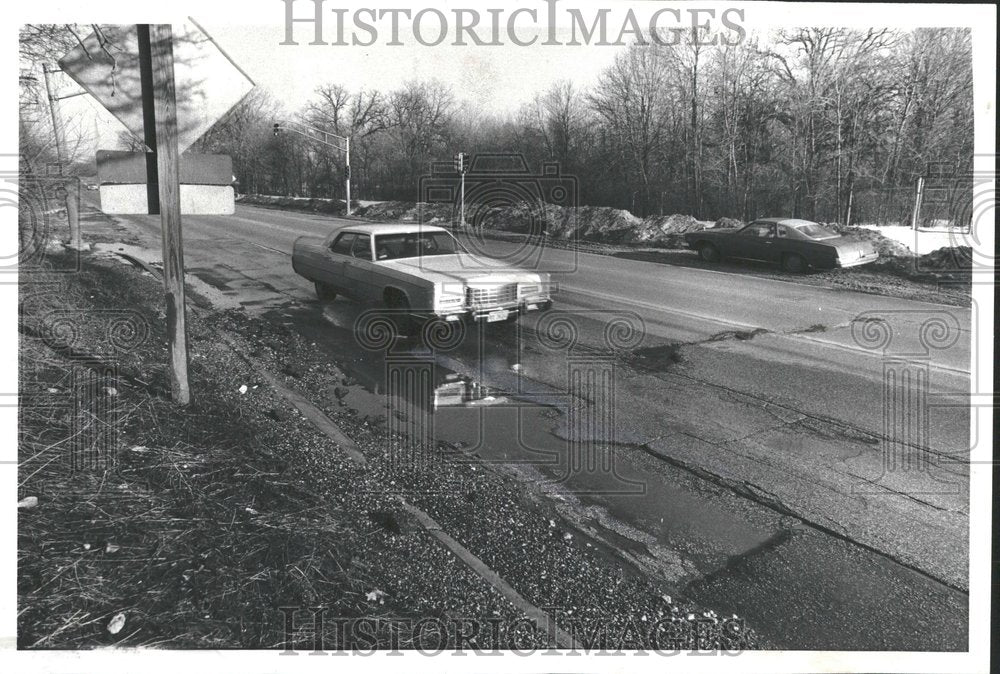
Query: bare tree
(631, 98)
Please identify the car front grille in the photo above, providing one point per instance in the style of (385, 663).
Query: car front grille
(491, 296)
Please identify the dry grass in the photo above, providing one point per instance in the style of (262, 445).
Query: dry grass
(187, 524)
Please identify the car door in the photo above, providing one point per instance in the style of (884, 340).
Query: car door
(788, 243)
(359, 268)
(336, 264)
(757, 242)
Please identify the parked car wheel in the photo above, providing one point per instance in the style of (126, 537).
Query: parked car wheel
(399, 308)
(709, 253)
(324, 292)
(793, 263)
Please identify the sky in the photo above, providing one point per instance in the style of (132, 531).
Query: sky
(500, 79)
(497, 80)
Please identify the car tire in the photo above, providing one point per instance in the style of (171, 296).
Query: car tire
(399, 313)
(709, 253)
(794, 263)
(324, 292)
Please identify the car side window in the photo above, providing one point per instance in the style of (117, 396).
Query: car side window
(762, 230)
(342, 245)
(362, 247)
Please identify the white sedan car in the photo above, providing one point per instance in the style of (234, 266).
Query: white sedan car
(419, 270)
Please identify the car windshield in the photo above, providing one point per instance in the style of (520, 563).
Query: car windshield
(414, 244)
(814, 231)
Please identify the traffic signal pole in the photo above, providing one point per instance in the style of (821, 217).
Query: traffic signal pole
(309, 132)
(347, 174)
(460, 165)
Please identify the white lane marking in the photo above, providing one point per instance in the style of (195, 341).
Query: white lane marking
(793, 336)
(761, 279)
(726, 322)
(260, 245)
(614, 299)
(765, 279)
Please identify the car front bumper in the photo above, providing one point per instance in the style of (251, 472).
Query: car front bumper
(498, 312)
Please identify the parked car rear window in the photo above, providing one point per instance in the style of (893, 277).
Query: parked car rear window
(414, 244)
(814, 231)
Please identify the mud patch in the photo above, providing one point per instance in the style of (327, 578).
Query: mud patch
(741, 335)
(660, 357)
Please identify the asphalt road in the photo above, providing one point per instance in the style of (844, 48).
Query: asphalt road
(778, 450)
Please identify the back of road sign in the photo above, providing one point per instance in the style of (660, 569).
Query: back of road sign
(208, 82)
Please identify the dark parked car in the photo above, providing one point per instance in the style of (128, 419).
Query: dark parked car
(794, 244)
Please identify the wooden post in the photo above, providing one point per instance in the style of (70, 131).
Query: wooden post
(148, 120)
(72, 212)
(164, 99)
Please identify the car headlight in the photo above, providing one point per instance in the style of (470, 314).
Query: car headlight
(540, 289)
(449, 301)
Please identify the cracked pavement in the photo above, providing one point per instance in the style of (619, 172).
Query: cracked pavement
(751, 466)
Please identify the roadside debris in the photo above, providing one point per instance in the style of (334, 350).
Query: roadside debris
(117, 623)
(376, 595)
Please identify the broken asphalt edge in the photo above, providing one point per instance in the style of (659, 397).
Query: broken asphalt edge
(323, 423)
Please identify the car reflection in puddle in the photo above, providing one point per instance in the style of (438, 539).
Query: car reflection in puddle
(460, 391)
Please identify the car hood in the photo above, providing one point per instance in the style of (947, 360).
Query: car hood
(464, 268)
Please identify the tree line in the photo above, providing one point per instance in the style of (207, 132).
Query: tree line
(829, 124)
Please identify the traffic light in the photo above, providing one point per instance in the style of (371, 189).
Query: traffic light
(460, 162)
(347, 171)
(277, 128)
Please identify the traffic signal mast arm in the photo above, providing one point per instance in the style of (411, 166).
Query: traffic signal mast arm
(310, 132)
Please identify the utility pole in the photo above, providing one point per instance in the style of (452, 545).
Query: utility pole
(159, 103)
(347, 174)
(917, 202)
(72, 212)
(460, 165)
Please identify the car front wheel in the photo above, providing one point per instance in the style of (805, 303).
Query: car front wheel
(324, 292)
(399, 312)
(709, 253)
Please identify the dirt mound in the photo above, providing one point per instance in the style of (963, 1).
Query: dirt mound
(667, 231)
(956, 258)
(607, 225)
(594, 224)
(407, 211)
(315, 205)
(386, 210)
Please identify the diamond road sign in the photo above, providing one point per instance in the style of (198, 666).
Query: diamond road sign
(208, 82)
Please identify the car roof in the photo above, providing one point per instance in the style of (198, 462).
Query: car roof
(391, 228)
(790, 222)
